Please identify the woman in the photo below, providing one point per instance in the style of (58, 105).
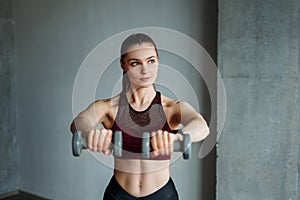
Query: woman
(139, 108)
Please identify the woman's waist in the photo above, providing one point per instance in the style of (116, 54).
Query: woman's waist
(141, 182)
(141, 166)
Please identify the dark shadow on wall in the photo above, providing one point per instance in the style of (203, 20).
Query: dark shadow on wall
(209, 14)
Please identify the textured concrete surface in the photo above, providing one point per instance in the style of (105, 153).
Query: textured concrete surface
(8, 145)
(258, 154)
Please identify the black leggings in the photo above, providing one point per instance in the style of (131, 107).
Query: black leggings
(115, 192)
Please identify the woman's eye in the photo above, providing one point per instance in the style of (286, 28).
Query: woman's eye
(151, 61)
(134, 63)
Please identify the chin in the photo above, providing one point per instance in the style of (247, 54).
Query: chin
(146, 85)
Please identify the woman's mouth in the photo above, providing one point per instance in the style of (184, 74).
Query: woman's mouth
(145, 79)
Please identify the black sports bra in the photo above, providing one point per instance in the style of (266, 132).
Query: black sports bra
(134, 123)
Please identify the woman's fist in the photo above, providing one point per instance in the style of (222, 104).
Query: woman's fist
(99, 140)
(162, 142)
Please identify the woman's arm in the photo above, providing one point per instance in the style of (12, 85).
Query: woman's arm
(97, 139)
(179, 113)
(89, 118)
(193, 123)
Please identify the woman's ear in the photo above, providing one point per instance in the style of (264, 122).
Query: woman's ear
(122, 64)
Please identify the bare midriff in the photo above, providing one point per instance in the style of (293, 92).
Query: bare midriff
(141, 177)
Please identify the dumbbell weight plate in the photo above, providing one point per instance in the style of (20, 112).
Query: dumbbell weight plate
(146, 145)
(77, 144)
(187, 148)
(118, 144)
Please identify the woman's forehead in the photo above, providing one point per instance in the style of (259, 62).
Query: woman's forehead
(141, 51)
(144, 45)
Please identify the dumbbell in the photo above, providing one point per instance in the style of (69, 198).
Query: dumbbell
(179, 146)
(78, 144)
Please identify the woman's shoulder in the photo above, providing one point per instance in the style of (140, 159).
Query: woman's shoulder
(107, 108)
(169, 102)
(172, 103)
(108, 103)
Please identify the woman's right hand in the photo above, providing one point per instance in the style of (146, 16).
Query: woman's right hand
(99, 140)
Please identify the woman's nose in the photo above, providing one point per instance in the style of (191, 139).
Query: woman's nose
(144, 68)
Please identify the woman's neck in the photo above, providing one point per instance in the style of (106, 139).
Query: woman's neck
(141, 97)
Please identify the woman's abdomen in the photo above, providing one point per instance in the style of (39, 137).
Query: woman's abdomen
(141, 177)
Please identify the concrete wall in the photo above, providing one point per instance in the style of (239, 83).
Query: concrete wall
(8, 141)
(52, 40)
(258, 155)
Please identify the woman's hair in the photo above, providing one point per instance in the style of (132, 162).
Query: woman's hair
(133, 39)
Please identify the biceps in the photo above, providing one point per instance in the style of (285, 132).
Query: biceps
(92, 115)
(188, 113)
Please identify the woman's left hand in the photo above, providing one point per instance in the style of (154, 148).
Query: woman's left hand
(162, 142)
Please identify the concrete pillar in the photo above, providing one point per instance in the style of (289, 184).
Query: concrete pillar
(8, 145)
(258, 54)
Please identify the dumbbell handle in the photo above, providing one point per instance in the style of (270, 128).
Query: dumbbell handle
(178, 146)
(79, 143)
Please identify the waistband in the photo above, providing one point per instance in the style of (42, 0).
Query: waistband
(118, 193)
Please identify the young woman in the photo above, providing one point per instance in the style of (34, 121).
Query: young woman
(139, 108)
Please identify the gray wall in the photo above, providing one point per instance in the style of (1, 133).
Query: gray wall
(52, 39)
(8, 141)
(258, 55)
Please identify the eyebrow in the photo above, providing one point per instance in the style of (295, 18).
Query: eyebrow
(138, 59)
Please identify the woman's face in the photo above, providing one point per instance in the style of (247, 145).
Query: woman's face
(141, 64)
